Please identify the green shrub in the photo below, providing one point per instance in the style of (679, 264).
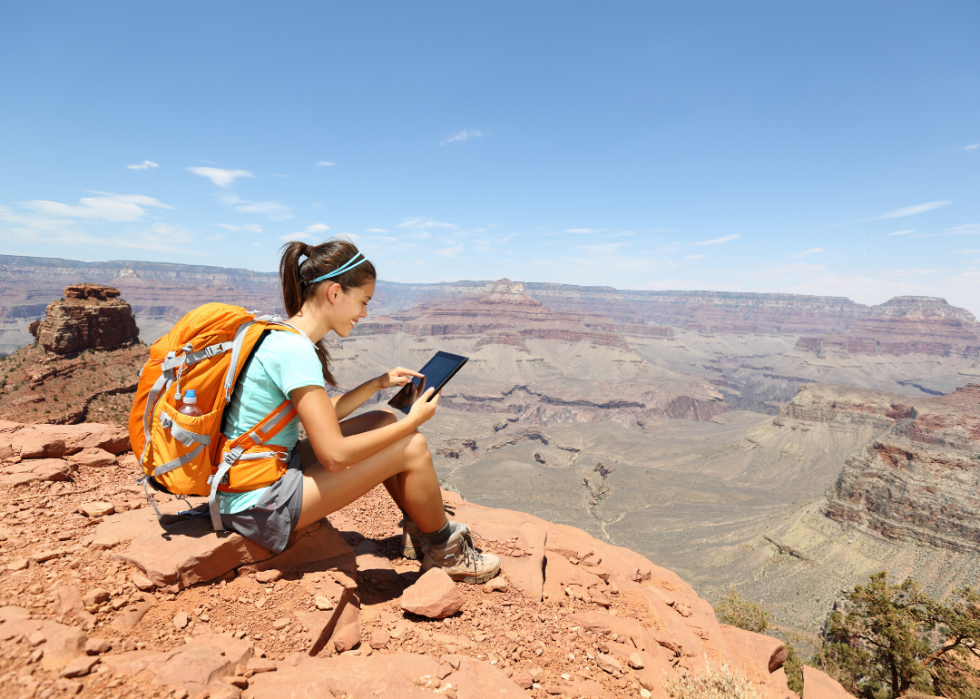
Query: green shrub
(735, 610)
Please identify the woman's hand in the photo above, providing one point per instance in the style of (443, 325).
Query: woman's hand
(423, 409)
(399, 376)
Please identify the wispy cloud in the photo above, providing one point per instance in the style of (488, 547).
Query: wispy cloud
(807, 253)
(463, 135)
(972, 146)
(376, 230)
(107, 207)
(145, 165)
(249, 227)
(966, 252)
(451, 253)
(308, 233)
(325, 163)
(963, 230)
(901, 232)
(584, 231)
(716, 241)
(220, 177)
(275, 210)
(421, 224)
(694, 257)
(917, 209)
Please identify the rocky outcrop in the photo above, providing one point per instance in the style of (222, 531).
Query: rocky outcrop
(190, 611)
(87, 317)
(918, 477)
(904, 325)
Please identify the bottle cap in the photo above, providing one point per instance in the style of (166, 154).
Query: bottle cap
(190, 396)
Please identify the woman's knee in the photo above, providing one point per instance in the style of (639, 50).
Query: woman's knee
(417, 447)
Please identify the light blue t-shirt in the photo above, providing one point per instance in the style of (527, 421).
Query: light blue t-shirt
(282, 363)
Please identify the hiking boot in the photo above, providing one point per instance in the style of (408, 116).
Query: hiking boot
(458, 557)
(411, 540)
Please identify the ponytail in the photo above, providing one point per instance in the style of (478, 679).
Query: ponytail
(297, 279)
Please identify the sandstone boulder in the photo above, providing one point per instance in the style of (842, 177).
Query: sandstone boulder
(434, 595)
(34, 470)
(817, 685)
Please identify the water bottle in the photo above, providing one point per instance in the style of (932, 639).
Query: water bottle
(189, 406)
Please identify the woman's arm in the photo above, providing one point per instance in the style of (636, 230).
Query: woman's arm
(347, 403)
(336, 452)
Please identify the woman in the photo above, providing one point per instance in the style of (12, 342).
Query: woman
(327, 288)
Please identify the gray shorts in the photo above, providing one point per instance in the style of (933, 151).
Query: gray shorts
(273, 518)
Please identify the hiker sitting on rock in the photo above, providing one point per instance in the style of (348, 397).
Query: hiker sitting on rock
(326, 288)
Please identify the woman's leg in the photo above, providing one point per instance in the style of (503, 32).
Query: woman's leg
(405, 468)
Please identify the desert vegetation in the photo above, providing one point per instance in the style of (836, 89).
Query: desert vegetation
(884, 640)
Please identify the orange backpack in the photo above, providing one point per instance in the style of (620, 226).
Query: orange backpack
(186, 455)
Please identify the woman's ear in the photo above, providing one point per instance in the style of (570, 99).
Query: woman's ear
(333, 292)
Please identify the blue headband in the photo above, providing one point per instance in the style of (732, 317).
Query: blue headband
(351, 264)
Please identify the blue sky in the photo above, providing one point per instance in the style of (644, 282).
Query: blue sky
(824, 148)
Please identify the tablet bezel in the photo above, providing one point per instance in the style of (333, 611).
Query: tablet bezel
(445, 355)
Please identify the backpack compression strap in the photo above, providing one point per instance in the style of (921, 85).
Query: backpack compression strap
(260, 434)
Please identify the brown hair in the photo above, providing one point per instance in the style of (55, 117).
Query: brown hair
(297, 279)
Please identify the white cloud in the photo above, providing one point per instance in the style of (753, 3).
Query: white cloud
(966, 252)
(250, 227)
(452, 252)
(325, 163)
(308, 233)
(463, 135)
(275, 210)
(375, 230)
(423, 222)
(967, 229)
(582, 231)
(221, 177)
(917, 209)
(694, 257)
(716, 241)
(811, 251)
(902, 232)
(107, 207)
(145, 165)
(973, 146)
(420, 262)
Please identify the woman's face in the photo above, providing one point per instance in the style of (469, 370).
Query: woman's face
(350, 306)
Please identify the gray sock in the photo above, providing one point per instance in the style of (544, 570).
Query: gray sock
(440, 537)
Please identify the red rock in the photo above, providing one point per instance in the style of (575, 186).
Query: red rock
(379, 640)
(96, 509)
(82, 665)
(608, 664)
(142, 582)
(268, 576)
(88, 317)
(97, 646)
(95, 596)
(258, 665)
(35, 444)
(348, 632)
(434, 595)
(180, 620)
(817, 685)
(132, 613)
(766, 653)
(93, 457)
(522, 678)
(69, 600)
(379, 675)
(34, 470)
(18, 564)
(192, 553)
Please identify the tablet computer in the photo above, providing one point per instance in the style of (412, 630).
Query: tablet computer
(436, 373)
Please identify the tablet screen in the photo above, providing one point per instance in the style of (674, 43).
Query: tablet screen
(437, 372)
